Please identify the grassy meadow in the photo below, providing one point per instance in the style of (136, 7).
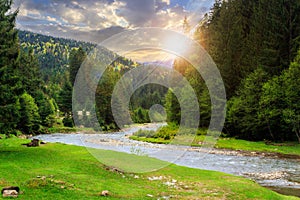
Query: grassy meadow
(58, 171)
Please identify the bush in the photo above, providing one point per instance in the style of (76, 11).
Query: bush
(60, 130)
(145, 133)
(17, 133)
(140, 115)
(68, 122)
(167, 132)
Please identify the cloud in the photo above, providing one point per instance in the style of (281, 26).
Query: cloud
(149, 55)
(88, 19)
(136, 12)
(167, 1)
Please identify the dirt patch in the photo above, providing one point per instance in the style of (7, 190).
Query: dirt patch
(3, 182)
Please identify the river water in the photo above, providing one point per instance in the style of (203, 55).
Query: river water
(281, 175)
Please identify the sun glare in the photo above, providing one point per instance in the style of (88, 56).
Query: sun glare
(177, 44)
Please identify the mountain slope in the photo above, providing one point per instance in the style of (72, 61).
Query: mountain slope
(52, 53)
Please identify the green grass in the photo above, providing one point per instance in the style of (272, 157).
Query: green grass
(230, 143)
(61, 130)
(71, 172)
(150, 140)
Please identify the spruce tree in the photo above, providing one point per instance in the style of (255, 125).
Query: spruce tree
(173, 108)
(10, 87)
(244, 109)
(29, 73)
(46, 108)
(76, 59)
(65, 98)
(30, 118)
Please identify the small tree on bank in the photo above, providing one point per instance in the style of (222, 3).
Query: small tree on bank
(30, 118)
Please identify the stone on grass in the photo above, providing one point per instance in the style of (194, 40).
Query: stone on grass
(105, 193)
(22, 136)
(11, 191)
(33, 143)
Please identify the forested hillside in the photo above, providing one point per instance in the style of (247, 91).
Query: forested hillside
(52, 53)
(255, 45)
(41, 80)
(59, 60)
(25, 104)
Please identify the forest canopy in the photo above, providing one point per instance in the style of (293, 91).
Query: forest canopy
(255, 45)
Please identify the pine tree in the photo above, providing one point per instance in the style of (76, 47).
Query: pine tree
(65, 103)
(228, 32)
(280, 103)
(104, 95)
(291, 113)
(76, 59)
(10, 87)
(173, 108)
(65, 98)
(46, 108)
(244, 109)
(29, 74)
(30, 118)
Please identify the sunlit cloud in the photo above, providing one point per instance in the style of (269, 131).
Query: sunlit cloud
(97, 20)
(152, 55)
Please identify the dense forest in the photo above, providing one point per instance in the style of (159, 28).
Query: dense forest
(52, 53)
(255, 45)
(37, 77)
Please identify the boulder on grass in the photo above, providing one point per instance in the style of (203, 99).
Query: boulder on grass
(104, 193)
(11, 191)
(34, 143)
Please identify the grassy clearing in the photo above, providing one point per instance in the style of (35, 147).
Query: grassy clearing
(223, 143)
(286, 148)
(57, 171)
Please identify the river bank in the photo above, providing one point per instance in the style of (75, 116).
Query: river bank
(59, 171)
(262, 148)
(252, 165)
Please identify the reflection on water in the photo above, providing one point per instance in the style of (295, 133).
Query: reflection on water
(277, 174)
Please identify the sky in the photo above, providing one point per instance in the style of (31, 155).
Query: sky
(97, 20)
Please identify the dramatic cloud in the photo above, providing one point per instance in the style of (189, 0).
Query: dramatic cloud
(96, 20)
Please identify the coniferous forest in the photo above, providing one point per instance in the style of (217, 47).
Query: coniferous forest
(75, 126)
(255, 45)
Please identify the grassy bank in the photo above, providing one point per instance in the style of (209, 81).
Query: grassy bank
(57, 171)
(289, 148)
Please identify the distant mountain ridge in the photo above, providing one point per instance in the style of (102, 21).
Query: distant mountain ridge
(53, 54)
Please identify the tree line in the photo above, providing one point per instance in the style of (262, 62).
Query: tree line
(255, 45)
(24, 101)
(37, 74)
(37, 77)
